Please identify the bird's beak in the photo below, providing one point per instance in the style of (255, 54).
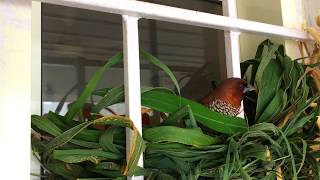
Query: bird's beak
(248, 88)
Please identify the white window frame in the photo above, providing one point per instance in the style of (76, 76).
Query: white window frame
(131, 12)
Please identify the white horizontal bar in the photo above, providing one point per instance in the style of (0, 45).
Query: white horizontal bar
(182, 16)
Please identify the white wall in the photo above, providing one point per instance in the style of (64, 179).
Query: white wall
(15, 91)
(267, 11)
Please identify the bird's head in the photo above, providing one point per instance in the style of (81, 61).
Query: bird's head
(231, 91)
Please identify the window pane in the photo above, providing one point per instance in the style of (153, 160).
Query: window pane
(196, 5)
(196, 55)
(75, 43)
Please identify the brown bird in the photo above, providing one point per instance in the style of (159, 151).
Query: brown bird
(227, 96)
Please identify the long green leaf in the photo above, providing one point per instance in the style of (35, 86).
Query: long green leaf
(80, 155)
(63, 100)
(268, 83)
(70, 171)
(114, 95)
(77, 106)
(106, 139)
(137, 146)
(194, 137)
(275, 106)
(162, 66)
(65, 137)
(170, 103)
(45, 125)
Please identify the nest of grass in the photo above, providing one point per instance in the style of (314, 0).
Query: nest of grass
(278, 139)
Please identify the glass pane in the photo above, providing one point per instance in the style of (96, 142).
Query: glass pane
(75, 43)
(196, 5)
(196, 55)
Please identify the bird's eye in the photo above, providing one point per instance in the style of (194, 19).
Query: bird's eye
(242, 86)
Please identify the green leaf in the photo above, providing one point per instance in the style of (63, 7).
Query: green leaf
(45, 125)
(288, 69)
(108, 166)
(113, 96)
(300, 124)
(106, 139)
(137, 145)
(77, 106)
(274, 107)
(58, 120)
(268, 80)
(114, 175)
(80, 155)
(314, 165)
(115, 121)
(244, 174)
(65, 137)
(116, 95)
(227, 168)
(260, 50)
(175, 118)
(193, 137)
(63, 100)
(170, 103)
(304, 154)
(244, 68)
(89, 135)
(70, 171)
(302, 106)
(162, 66)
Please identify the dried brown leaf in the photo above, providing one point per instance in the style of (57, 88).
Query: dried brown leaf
(314, 33)
(286, 119)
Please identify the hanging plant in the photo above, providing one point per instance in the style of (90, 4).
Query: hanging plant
(275, 141)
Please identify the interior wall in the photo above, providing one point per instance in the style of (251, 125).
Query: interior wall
(261, 11)
(15, 91)
(299, 14)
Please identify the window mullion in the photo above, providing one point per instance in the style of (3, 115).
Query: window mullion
(132, 78)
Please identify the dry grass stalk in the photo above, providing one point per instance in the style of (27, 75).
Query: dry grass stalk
(314, 58)
(314, 33)
(318, 124)
(278, 168)
(268, 154)
(279, 173)
(286, 119)
(315, 74)
(316, 147)
(313, 105)
(268, 157)
(300, 46)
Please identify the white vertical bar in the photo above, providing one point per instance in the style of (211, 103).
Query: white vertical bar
(232, 45)
(15, 91)
(35, 73)
(36, 57)
(132, 78)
